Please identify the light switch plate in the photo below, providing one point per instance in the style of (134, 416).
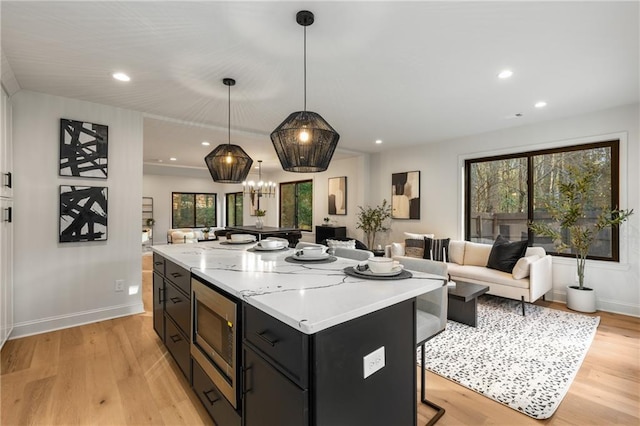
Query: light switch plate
(373, 362)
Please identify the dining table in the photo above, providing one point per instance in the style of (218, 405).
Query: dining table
(264, 231)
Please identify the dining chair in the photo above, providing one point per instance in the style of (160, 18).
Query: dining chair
(349, 253)
(431, 318)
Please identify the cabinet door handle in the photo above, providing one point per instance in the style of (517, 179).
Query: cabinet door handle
(206, 395)
(157, 263)
(160, 295)
(266, 339)
(8, 180)
(176, 274)
(175, 299)
(9, 217)
(244, 387)
(175, 338)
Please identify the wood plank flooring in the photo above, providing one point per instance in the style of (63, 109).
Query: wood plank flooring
(117, 372)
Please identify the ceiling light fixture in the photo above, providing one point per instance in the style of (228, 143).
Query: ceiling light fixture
(540, 104)
(378, 141)
(121, 76)
(304, 141)
(205, 143)
(261, 189)
(228, 163)
(505, 74)
(173, 159)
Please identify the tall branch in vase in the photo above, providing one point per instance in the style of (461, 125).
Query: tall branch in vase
(373, 220)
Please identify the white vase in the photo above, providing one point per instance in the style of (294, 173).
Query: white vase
(581, 300)
(259, 222)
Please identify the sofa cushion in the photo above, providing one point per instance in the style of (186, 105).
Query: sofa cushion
(484, 275)
(414, 248)
(436, 249)
(476, 254)
(523, 265)
(505, 254)
(456, 252)
(540, 251)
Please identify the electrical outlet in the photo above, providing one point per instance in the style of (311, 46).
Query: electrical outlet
(119, 285)
(373, 362)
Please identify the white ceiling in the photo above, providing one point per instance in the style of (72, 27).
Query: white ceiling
(405, 72)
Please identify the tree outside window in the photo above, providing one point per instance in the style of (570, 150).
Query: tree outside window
(193, 210)
(296, 205)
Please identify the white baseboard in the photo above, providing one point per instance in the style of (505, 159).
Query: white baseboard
(44, 325)
(606, 305)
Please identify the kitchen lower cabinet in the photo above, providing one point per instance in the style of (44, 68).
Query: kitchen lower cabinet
(217, 406)
(291, 378)
(158, 305)
(172, 310)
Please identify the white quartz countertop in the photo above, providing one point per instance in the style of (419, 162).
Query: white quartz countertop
(307, 296)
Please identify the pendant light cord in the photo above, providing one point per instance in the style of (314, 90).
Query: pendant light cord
(229, 116)
(305, 69)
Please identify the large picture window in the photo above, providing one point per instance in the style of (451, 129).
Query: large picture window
(234, 209)
(296, 205)
(193, 210)
(504, 193)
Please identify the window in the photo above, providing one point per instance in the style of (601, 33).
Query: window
(234, 209)
(191, 210)
(296, 205)
(504, 193)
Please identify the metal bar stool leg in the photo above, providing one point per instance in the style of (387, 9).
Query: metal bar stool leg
(440, 410)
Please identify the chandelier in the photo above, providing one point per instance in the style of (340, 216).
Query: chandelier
(260, 188)
(304, 141)
(228, 163)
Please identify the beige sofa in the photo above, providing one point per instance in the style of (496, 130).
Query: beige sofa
(530, 280)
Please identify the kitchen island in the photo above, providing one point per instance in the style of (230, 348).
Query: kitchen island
(332, 322)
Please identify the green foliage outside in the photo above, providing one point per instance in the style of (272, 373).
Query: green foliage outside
(570, 210)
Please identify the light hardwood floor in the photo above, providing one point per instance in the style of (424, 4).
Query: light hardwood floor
(118, 373)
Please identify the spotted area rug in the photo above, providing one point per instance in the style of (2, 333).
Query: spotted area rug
(526, 363)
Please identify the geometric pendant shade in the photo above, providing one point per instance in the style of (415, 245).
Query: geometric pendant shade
(228, 163)
(304, 141)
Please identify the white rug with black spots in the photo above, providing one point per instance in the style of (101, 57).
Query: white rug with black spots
(526, 363)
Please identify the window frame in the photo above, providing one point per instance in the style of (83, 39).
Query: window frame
(612, 144)
(226, 211)
(195, 209)
(295, 183)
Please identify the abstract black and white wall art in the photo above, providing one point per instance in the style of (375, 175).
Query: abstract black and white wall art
(83, 213)
(338, 195)
(83, 149)
(405, 195)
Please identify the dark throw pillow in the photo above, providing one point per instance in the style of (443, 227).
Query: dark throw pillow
(436, 249)
(505, 254)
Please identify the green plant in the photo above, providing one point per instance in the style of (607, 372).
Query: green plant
(326, 220)
(576, 195)
(260, 213)
(206, 229)
(150, 221)
(373, 220)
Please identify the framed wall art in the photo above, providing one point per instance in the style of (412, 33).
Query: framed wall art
(405, 195)
(83, 213)
(338, 195)
(83, 149)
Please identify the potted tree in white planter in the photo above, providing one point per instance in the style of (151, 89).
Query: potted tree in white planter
(373, 220)
(568, 210)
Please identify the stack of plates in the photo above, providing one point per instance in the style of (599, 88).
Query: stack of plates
(368, 273)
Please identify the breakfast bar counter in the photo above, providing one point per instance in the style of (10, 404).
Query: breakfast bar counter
(267, 338)
(309, 297)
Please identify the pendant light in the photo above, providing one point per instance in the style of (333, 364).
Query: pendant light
(228, 163)
(304, 141)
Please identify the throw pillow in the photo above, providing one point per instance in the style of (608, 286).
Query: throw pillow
(351, 244)
(456, 252)
(505, 254)
(523, 266)
(414, 248)
(397, 249)
(411, 236)
(436, 249)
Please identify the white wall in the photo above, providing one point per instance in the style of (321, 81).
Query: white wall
(617, 285)
(62, 285)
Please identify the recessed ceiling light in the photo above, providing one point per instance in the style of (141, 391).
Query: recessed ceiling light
(378, 141)
(121, 76)
(159, 160)
(205, 143)
(540, 104)
(505, 74)
(172, 159)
